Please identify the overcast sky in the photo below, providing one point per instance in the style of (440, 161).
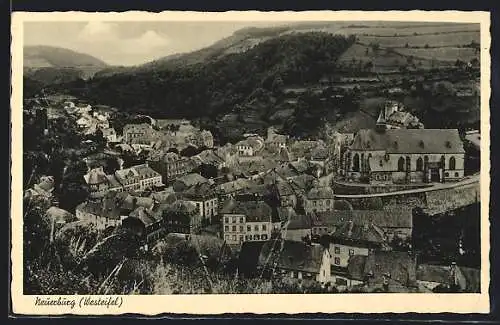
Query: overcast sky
(130, 43)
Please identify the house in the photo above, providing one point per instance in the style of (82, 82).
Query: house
(203, 196)
(298, 228)
(381, 271)
(147, 224)
(231, 189)
(170, 165)
(393, 223)
(284, 193)
(132, 131)
(210, 158)
(181, 217)
(450, 277)
(59, 216)
(351, 239)
(296, 260)
(405, 155)
(206, 139)
(102, 214)
(98, 182)
(249, 147)
(184, 182)
(139, 177)
(246, 221)
(275, 140)
(42, 189)
(319, 199)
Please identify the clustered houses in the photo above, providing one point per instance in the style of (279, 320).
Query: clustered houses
(276, 193)
(136, 178)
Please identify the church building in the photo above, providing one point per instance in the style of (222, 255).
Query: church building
(403, 156)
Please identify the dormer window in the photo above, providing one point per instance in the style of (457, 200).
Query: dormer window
(421, 143)
(448, 144)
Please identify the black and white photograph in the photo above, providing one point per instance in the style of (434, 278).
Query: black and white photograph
(239, 157)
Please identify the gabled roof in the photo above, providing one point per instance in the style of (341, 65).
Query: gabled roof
(255, 211)
(319, 193)
(191, 179)
(199, 191)
(299, 221)
(439, 141)
(95, 176)
(294, 255)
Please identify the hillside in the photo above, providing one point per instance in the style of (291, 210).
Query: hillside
(245, 84)
(48, 65)
(298, 77)
(56, 57)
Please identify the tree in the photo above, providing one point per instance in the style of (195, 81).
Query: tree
(74, 190)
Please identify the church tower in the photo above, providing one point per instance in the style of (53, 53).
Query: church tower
(381, 121)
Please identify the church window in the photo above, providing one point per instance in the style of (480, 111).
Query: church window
(420, 164)
(355, 163)
(401, 164)
(452, 163)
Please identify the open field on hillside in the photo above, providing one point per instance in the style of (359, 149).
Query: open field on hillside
(446, 39)
(409, 31)
(442, 54)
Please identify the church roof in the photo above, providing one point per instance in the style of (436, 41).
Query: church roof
(409, 141)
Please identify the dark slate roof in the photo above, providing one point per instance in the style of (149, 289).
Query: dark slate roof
(147, 217)
(192, 179)
(200, 191)
(297, 256)
(253, 210)
(284, 188)
(403, 141)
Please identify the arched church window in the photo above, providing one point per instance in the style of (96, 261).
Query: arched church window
(355, 163)
(401, 164)
(452, 163)
(420, 164)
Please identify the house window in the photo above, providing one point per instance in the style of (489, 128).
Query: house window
(234, 228)
(446, 174)
(234, 237)
(456, 174)
(351, 252)
(452, 163)
(234, 220)
(241, 238)
(264, 227)
(227, 237)
(264, 237)
(256, 227)
(401, 164)
(249, 228)
(336, 260)
(241, 228)
(337, 250)
(241, 219)
(256, 237)
(226, 228)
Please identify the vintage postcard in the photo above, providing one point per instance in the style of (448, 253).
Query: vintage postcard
(250, 162)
